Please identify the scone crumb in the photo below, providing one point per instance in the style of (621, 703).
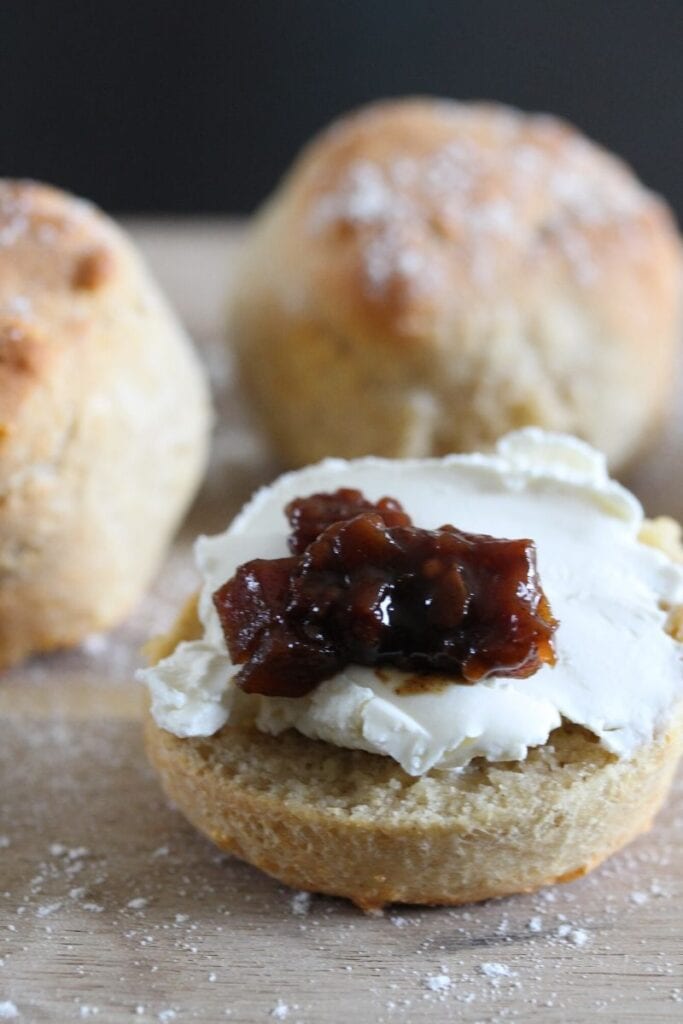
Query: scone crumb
(665, 533)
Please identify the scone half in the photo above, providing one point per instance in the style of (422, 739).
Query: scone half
(354, 824)
(367, 790)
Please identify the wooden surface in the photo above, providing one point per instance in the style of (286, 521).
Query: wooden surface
(113, 909)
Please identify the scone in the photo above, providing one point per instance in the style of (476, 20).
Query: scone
(395, 778)
(432, 274)
(104, 417)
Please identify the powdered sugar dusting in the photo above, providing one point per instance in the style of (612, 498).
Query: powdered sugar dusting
(437, 982)
(499, 194)
(28, 212)
(494, 971)
(301, 903)
(576, 936)
(14, 216)
(364, 197)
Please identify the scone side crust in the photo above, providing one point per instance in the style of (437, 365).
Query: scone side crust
(388, 860)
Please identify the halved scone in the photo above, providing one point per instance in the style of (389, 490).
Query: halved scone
(313, 791)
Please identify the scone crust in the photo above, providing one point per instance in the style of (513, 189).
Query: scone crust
(104, 417)
(433, 274)
(354, 824)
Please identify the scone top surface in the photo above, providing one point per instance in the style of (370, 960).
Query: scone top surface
(54, 251)
(103, 420)
(432, 274)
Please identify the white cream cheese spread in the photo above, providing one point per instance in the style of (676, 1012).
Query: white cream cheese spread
(618, 672)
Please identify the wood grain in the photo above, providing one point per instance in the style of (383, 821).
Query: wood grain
(113, 909)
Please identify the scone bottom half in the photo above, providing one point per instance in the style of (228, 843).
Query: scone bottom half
(353, 824)
(349, 823)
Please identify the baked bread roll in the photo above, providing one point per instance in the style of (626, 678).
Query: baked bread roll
(443, 797)
(432, 274)
(104, 416)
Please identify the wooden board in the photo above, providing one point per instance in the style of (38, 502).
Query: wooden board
(113, 909)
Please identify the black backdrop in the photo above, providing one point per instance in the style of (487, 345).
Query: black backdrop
(196, 106)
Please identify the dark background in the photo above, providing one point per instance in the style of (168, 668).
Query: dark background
(180, 106)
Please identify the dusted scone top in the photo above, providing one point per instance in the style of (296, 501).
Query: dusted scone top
(426, 255)
(618, 672)
(104, 420)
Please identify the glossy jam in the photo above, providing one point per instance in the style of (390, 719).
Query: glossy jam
(308, 517)
(363, 586)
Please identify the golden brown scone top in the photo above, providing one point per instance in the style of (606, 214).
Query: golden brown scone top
(64, 267)
(433, 274)
(57, 253)
(407, 210)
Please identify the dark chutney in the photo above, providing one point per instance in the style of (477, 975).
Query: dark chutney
(364, 586)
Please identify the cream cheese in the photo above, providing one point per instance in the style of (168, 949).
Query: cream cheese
(618, 672)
